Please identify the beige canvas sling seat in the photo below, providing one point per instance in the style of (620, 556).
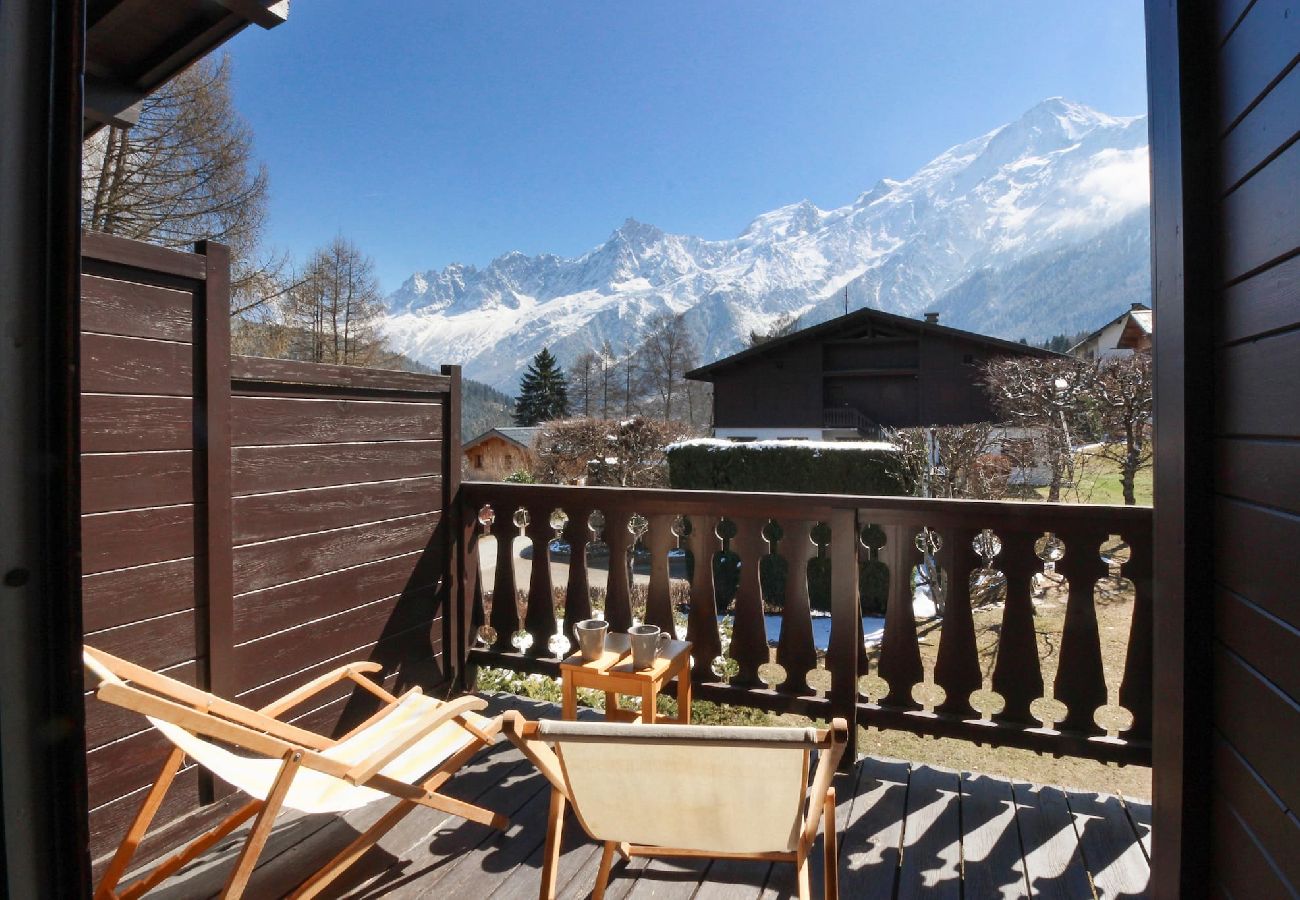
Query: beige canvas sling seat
(687, 790)
(406, 750)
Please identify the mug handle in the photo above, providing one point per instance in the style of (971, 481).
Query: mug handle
(663, 639)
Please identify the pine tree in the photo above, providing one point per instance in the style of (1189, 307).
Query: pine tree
(543, 391)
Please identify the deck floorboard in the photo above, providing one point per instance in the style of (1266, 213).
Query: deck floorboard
(904, 830)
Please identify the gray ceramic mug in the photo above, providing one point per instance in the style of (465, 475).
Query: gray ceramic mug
(646, 641)
(591, 638)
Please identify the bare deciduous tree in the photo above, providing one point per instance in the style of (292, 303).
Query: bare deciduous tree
(185, 172)
(626, 453)
(1049, 394)
(584, 384)
(665, 354)
(1121, 393)
(969, 471)
(334, 307)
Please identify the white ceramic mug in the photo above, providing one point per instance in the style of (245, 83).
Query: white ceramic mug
(646, 640)
(591, 638)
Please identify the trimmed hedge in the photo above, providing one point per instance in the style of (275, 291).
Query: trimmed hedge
(789, 467)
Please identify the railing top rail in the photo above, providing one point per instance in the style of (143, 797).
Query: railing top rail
(933, 511)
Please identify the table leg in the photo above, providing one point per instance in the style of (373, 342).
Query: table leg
(684, 695)
(611, 702)
(648, 711)
(569, 708)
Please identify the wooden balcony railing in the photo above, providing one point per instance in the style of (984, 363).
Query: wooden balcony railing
(1075, 551)
(852, 417)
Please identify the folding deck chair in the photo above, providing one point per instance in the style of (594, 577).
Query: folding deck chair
(407, 751)
(687, 790)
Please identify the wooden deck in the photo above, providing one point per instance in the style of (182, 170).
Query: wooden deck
(906, 831)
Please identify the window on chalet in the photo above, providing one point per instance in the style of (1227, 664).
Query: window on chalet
(478, 460)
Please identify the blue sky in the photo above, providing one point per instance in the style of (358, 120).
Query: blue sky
(433, 132)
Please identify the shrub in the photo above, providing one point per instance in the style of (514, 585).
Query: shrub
(802, 467)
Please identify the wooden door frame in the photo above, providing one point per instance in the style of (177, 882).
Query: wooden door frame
(1181, 77)
(43, 829)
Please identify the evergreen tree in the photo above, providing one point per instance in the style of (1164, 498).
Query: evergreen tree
(543, 391)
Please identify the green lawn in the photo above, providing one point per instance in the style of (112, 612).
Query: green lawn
(1098, 482)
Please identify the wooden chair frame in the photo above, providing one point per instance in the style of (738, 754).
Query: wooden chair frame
(820, 805)
(261, 731)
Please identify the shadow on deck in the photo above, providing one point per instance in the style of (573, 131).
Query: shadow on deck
(905, 831)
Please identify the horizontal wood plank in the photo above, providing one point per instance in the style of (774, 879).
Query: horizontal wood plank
(263, 612)
(1261, 220)
(1267, 301)
(264, 517)
(117, 769)
(112, 423)
(127, 365)
(259, 421)
(1264, 641)
(129, 595)
(113, 306)
(294, 372)
(1248, 712)
(1258, 51)
(1271, 538)
(1263, 132)
(158, 643)
(118, 481)
(1257, 387)
(1275, 827)
(108, 823)
(137, 537)
(260, 469)
(1260, 471)
(152, 259)
(264, 565)
(1239, 863)
(282, 654)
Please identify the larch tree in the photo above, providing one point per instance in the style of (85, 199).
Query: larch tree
(543, 391)
(334, 307)
(185, 172)
(584, 383)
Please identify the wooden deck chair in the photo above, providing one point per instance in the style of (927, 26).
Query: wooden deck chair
(687, 790)
(407, 750)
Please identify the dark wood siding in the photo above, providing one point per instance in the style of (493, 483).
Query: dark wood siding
(1256, 698)
(248, 524)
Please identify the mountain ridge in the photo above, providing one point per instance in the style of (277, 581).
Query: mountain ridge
(1034, 228)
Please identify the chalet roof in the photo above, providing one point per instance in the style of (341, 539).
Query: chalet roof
(133, 47)
(856, 320)
(1138, 312)
(521, 437)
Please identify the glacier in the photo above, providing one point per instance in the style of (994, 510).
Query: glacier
(1035, 228)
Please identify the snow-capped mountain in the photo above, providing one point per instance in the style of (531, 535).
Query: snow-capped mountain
(1036, 228)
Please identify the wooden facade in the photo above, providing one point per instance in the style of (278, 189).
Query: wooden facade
(248, 523)
(867, 367)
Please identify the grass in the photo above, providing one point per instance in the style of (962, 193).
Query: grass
(1097, 481)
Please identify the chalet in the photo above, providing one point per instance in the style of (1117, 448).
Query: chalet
(499, 451)
(1122, 335)
(847, 378)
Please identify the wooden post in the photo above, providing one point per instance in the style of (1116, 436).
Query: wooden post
(846, 622)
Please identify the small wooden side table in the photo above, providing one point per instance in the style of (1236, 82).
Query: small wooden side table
(612, 673)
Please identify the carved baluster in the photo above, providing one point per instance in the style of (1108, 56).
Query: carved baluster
(900, 653)
(539, 616)
(702, 621)
(1135, 690)
(577, 593)
(472, 527)
(957, 669)
(749, 631)
(505, 612)
(1018, 676)
(795, 649)
(659, 604)
(618, 597)
(1080, 676)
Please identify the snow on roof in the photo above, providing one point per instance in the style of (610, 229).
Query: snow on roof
(1142, 319)
(719, 443)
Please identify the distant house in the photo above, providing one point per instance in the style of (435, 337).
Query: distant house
(1127, 332)
(847, 378)
(497, 452)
